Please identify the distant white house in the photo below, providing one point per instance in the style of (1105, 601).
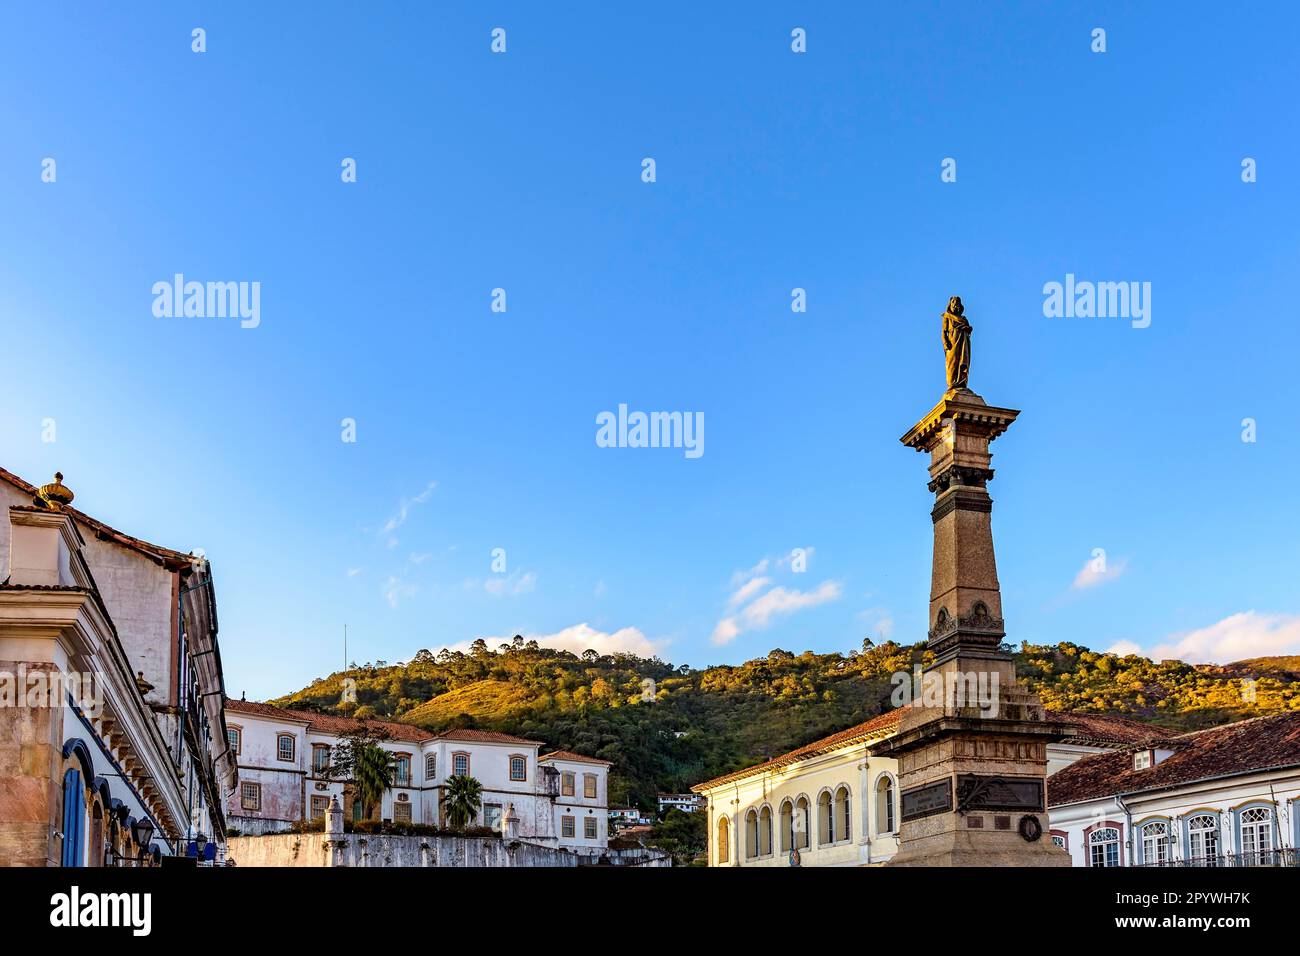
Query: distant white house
(686, 802)
(557, 799)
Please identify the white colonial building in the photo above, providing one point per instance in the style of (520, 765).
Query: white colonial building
(1227, 796)
(558, 799)
(112, 745)
(833, 803)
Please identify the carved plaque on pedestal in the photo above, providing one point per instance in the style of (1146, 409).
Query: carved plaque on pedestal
(979, 792)
(923, 801)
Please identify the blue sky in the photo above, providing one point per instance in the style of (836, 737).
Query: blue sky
(775, 170)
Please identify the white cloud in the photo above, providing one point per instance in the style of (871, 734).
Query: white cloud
(353, 572)
(420, 558)
(779, 601)
(740, 577)
(582, 637)
(404, 508)
(1095, 572)
(1123, 648)
(727, 630)
(747, 591)
(1237, 637)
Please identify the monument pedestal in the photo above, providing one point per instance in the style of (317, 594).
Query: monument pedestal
(972, 746)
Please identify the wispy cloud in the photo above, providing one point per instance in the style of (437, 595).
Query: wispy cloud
(753, 603)
(1236, 637)
(1095, 572)
(353, 572)
(404, 508)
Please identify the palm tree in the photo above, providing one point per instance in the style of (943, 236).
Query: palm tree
(463, 800)
(373, 768)
(370, 768)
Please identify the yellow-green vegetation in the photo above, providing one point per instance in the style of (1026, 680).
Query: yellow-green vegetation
(700, 723)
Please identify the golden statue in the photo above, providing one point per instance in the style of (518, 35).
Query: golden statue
(956, 344)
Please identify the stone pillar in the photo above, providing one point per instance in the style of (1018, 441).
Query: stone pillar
(510, 823)
(972, 747)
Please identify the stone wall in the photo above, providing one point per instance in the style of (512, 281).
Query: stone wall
(363, 849)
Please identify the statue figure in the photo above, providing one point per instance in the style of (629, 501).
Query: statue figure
(956, 344)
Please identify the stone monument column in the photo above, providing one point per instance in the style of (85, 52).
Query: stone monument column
(972, 744)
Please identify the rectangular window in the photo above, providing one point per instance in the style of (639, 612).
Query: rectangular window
(566, 784)
(320, 758)
(589, 828)
(250, 796)
(402, 771)
(318, 807)
(401, 813)
(566, 827)
(492, 816)
(460, 765)
(589, 786)
(518, 768)
(233, 739)
(284, 746)
(431, 766)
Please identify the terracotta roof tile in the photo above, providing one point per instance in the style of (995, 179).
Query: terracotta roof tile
(1093, 729)
(878, 726)
(570, 755)
(1260, 743)
(338, 725)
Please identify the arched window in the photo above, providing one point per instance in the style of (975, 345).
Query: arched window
(765, 832)
(1257, 835)
(96, 855)
(1155, 843)
(1203, 839)
(430, 766)
(802, 823)
(843, 814)
(787, 826)
(1103, 847)
(74, 818)
(885, 804)
(724, 840)
(751, 834)
(285, 746)
(825, 819)
(518, 767)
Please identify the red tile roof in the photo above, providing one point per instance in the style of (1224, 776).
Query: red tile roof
(1261, 743)
(1090, 729)
(570, 755)
(337, 725)
(1102, 730)
(881, 725)
(173, 560)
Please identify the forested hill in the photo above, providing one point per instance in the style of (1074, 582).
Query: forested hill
(701, 723)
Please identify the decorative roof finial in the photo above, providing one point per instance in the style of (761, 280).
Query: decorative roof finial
(55, 496)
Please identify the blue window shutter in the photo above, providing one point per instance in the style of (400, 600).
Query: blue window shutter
(73, 811)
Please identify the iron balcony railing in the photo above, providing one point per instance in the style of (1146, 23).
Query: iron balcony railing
(1284, 857)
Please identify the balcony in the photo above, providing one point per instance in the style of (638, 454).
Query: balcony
(1283, 857)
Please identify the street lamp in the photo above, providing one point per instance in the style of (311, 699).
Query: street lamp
(200, 844)
(142, 833)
